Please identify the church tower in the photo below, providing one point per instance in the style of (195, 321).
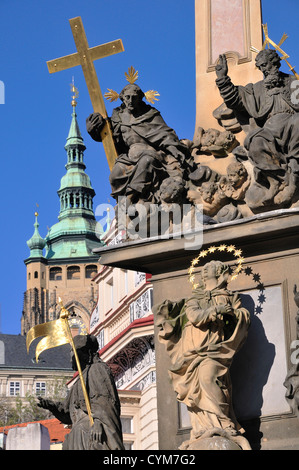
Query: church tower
(63, 264)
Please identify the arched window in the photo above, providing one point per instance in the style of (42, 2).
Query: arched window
(90, 271)
(73, 272)
(35, 275)
(55, 274)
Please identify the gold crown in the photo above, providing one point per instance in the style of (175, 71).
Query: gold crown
(213, 249)
(132, 77)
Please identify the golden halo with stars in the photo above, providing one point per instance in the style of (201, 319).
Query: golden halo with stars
(237, 253)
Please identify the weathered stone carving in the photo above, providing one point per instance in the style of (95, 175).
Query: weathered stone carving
(201, 335)
(149, 151)
(269, 116)
(106, 432)
(153, 164)
(155, 170)
(219, 144)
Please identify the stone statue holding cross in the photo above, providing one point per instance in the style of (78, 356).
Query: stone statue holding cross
(142, 151)
(148, 150)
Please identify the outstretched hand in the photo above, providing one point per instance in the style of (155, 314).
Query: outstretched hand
(44, 403)
(222, 67)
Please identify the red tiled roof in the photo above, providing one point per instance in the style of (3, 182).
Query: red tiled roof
(56, 429)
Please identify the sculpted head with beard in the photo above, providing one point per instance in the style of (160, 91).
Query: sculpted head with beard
(269, 63)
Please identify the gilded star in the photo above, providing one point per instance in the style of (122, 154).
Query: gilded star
(203, 253)
(238, 253)
(222, 248)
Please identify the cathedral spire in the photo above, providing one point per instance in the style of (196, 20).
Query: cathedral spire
(75, 234)
(75, 192)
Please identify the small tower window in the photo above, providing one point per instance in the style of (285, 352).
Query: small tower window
(55, 274)
(91, 271)
(35, 275)
(73, 272)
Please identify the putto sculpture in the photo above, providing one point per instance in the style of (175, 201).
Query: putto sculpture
(202, 334)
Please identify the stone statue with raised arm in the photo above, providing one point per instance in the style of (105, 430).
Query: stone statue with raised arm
(272, 143)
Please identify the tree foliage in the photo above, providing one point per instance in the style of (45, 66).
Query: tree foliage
(25, 409)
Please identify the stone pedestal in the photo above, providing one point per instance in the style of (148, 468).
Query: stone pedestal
(270, 246)
(34, 436)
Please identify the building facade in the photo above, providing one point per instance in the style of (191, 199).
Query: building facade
(22, 376)
(123, 323)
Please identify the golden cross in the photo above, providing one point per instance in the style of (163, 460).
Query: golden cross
(85, 57)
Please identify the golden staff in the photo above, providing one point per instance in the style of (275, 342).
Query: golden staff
(56, 333)
(64, 314)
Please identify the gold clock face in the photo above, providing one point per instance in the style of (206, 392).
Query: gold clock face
(77, 323)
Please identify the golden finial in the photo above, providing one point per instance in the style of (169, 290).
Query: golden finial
(75, 93)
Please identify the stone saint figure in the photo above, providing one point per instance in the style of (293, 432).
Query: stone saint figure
(202, 335)
(273, 140)
(148, 150)
(106, 433)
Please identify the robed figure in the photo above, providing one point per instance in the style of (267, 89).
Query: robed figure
(106, 432)
(202, 335)
(148, 150)
(271, 107)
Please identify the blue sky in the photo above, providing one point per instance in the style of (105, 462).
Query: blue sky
(158, 38)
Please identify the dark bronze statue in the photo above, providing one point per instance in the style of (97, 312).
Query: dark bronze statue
(106, 433)
(272, 143)
(148, 150)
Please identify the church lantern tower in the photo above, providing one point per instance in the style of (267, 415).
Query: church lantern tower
(68, 266)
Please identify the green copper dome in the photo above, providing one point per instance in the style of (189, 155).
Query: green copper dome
(36, 243)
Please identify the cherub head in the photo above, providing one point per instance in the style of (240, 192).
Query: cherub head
(236, 174)
(207, 191)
